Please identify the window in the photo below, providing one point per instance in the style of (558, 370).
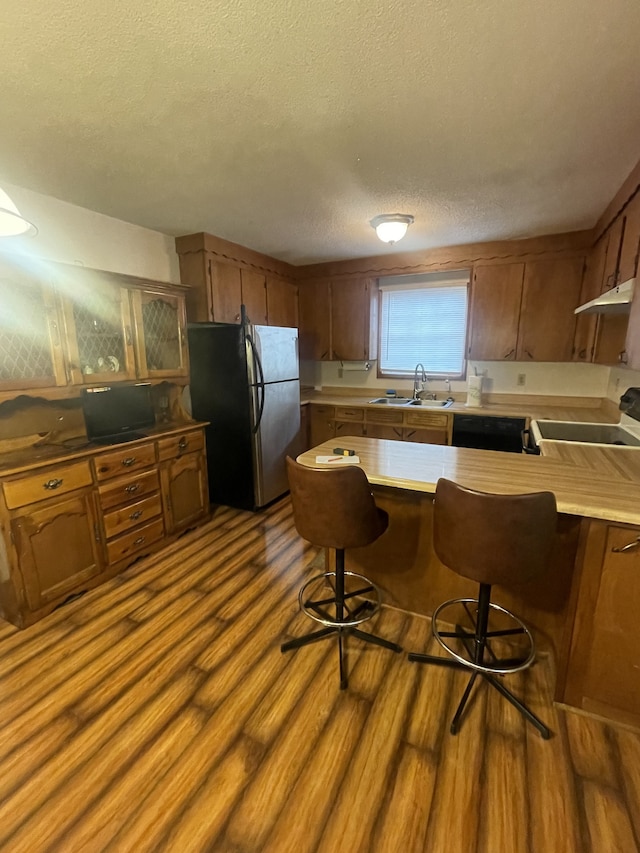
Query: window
(423, 319)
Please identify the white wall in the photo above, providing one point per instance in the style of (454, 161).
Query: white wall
(619, 380)
(75, 235)
(577, 380)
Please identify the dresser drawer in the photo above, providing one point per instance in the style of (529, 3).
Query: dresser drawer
(47, 483)
(118, 462)
(125, 517)
(128, 489)
(349, 413)
(130, 543)
(177, 445)
(426, 419)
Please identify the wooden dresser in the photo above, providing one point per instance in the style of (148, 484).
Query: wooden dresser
(67, 524)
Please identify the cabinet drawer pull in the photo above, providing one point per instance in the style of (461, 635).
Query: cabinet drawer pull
(628, 547)
(132, 488)
(128, 461)
(182, 443)
(135, 514)
(509, 354)
(139, 540)
(52, 484)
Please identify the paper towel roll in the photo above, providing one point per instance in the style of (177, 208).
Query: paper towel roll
(474, 391)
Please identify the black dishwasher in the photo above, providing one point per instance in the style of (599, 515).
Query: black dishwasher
(488, 433)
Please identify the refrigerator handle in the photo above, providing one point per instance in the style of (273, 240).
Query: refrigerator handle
(260, 382)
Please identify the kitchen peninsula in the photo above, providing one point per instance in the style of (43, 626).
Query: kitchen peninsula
(584, 608)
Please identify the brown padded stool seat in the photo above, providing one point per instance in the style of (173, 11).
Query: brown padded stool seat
(334, 508)
(490, 539)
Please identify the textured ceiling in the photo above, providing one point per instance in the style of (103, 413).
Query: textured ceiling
(286, 126)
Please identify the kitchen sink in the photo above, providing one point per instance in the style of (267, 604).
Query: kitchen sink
(407, 401)
(431, 404)
(584, 433)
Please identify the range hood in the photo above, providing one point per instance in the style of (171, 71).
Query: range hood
(614, 301)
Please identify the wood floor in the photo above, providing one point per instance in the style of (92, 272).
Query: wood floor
(157, 713)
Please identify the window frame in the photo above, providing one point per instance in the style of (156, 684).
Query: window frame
(452, 277)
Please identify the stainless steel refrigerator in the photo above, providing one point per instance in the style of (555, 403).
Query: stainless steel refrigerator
(245, 382)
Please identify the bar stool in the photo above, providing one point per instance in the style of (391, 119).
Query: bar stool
(491, 539)
(334, 508)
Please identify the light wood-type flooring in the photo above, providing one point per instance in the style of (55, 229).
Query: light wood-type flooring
(157, 713)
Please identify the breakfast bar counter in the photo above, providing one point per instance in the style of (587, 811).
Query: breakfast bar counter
(583, 610)
(608, 488)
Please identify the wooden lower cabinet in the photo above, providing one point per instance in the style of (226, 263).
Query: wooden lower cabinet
(58, 544)
(321, 424)
(65, 528)
(602, 669)
(184, 490)
(425, 436)
(393, 424)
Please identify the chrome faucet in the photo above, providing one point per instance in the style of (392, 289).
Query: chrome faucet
(416, 389)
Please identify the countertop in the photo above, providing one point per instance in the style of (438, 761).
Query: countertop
(598, 484)
(30, 458)
(541, 408)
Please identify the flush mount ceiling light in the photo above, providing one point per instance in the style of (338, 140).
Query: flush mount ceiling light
(12, 223)
(391, 227)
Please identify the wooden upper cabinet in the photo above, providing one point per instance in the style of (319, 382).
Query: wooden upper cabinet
(161, 341)
(551, 292)
(31, 334)
(99, 328)
(254, 296)
(592, 282)
(353, 320)
(612, 259)
(282, 302)
(195, 273)
(628, 265)
(314, 302)
(226, 292)
(632, 346)
(495, 311)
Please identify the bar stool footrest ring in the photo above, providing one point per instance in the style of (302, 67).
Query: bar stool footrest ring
(366, 593)
(495, 668)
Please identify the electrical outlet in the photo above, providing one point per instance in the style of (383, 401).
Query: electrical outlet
(522, 378)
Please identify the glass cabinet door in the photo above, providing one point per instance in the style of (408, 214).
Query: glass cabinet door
(160, 326)
(99, 332)
(31, 353)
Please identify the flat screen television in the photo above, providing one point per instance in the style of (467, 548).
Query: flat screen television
(117, 413)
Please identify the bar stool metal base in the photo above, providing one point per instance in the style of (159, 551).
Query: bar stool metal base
(477, 643)
(335, 612)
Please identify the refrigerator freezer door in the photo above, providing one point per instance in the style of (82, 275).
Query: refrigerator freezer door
(278, 353)
(276, 438)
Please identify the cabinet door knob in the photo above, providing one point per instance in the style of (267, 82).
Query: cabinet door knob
(128, 461)
(627, 547)
(52, 484)
(183, 443)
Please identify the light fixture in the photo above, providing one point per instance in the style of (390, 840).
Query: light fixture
(12, 223)
(391, 227)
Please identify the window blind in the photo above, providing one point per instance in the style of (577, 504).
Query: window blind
(423, 322)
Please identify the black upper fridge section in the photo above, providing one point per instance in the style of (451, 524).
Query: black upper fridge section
(220, 395)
